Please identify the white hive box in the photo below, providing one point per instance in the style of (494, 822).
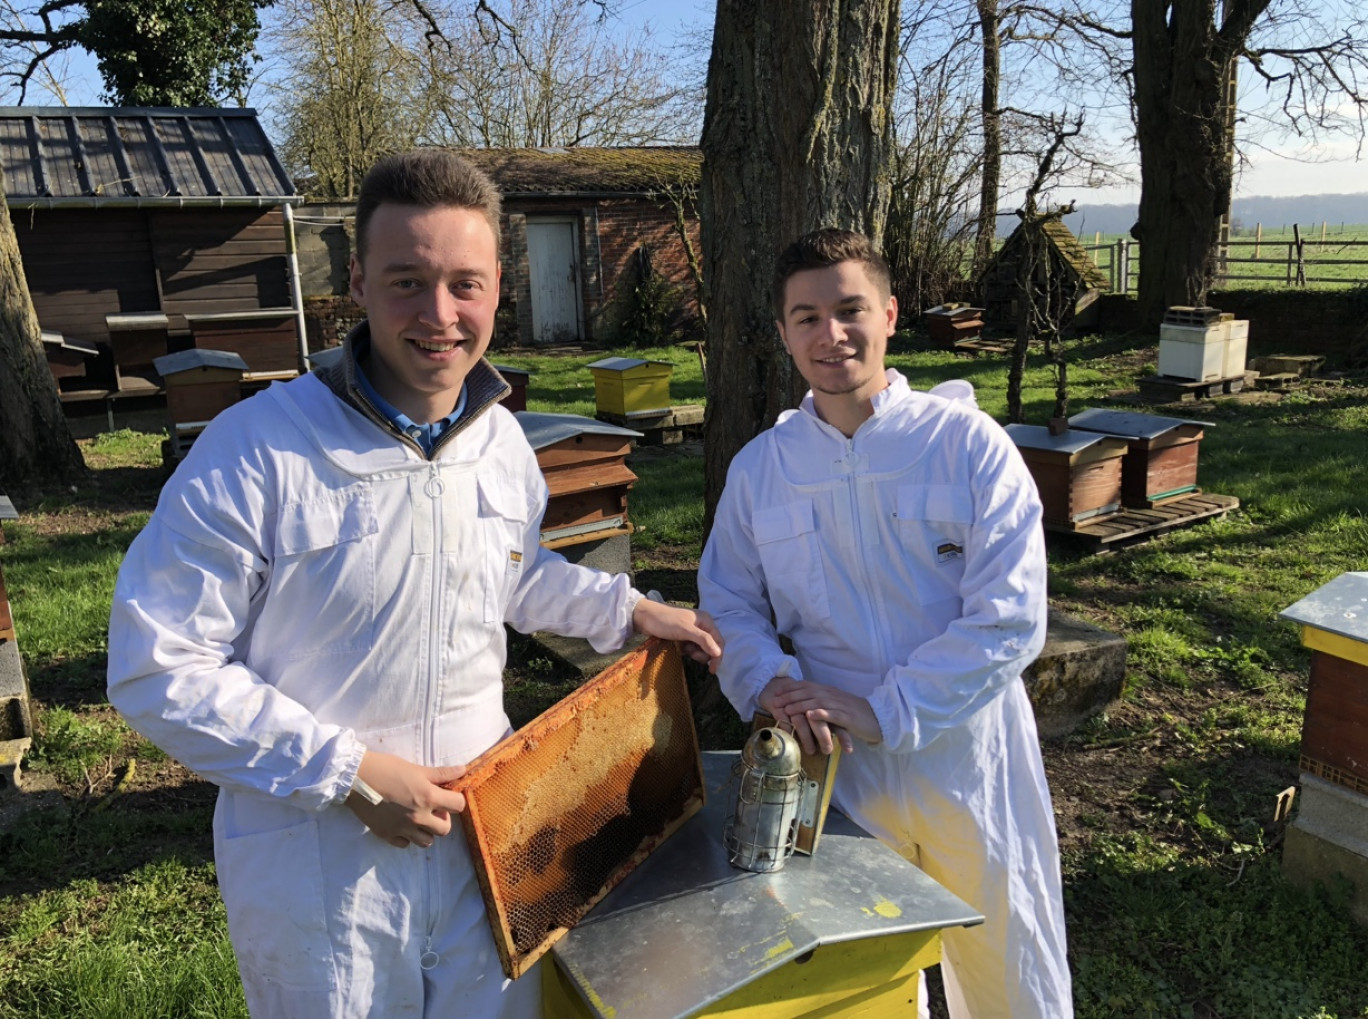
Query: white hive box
(1236, 346)
(1192, 352)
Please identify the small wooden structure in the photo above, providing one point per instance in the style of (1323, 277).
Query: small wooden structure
(584, 463)
(631, 386)
(1064, 265)
(138, 339)
(266, 339)
(67, 358)
(950, 324)
(1131, 526)
(1330, 834)
(199, 384)
(1078, 473)
(1161, 461)
(517, 378)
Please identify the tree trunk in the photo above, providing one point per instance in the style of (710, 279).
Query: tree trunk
(797, 135)
(991, 176)
(1181, 64)
(35, 442)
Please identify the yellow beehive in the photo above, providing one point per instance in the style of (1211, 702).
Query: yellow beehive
(631, 386)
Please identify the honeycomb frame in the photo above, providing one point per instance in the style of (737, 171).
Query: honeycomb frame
(559, 812)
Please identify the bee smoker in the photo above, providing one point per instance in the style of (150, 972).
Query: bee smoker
(769, 787)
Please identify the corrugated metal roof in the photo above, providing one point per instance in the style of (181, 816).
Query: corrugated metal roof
(589, 171)
(138, 155)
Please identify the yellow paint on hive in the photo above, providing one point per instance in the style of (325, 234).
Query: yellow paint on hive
(784, 946)
(887, 909)
(1335, 644)
(604, 1009)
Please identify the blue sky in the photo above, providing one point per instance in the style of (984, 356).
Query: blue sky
(1290, 167)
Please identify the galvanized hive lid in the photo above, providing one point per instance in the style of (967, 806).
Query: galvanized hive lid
(622, 364)
(1039, 437)
(1339, 607)
(324, 358)
(544, 430)
(1129, 424)
(198, 357)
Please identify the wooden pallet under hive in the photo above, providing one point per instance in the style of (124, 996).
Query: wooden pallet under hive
(561, 811)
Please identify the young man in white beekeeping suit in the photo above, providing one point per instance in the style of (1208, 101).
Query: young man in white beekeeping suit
(313, 619)
(894, 537)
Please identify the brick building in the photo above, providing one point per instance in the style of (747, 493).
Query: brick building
(593, 249)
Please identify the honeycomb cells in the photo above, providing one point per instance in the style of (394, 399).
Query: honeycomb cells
(565, 808)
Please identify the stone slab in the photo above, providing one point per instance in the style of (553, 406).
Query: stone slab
(1333, 813)
(14, 693)
(611, 555)
(1081, 670)
(1309, 859)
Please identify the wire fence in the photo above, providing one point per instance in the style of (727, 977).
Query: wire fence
(1272, 261)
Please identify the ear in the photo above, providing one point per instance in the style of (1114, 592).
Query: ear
(357, 282)
(891, 311)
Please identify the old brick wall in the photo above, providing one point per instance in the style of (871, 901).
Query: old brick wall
(623, 227)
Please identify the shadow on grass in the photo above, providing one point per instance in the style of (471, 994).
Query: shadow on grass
(51, 848)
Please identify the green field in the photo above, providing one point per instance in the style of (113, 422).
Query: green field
(1261, 259)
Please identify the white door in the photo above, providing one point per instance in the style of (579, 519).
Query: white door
(553, 267)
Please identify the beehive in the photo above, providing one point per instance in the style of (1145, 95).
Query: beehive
(1077, 473)
(631, 386)
(1161, 458)
(584, 462)
(561, 811)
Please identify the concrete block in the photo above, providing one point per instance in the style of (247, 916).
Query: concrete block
(15, 720)
(1309, 859)
(611, 555)
(1333, 813)
(1081, 670)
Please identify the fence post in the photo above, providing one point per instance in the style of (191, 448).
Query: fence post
(1301, 262)
(1258, 238)
(1290, 248)
(1124, 244)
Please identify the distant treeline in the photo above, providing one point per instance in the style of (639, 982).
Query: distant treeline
(1274, 213)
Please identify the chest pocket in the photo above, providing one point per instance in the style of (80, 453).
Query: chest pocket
(503, 525)
(790, 552)
(322, 595)
(934, 526)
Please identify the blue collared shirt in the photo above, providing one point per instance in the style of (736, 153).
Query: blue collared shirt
(425, 435)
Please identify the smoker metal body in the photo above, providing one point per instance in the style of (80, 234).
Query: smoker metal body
(759, 836)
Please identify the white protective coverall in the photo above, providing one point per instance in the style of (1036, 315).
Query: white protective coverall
(907, 565)
(311, 586)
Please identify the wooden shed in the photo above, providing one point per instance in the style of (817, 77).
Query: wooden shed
(1073, 281)
(580, 225)
(130, 221)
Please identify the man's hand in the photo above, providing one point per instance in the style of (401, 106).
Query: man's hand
(694, 629)
(414, 808)
(820, 714)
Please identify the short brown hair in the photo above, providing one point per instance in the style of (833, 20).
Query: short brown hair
(428, 178)
(822, 248)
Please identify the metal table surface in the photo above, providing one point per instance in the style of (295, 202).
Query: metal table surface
(685, 929)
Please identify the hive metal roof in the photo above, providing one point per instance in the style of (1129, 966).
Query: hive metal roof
(73, 156)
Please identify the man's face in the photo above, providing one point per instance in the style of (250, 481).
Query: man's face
(429, 282)
(836, 327)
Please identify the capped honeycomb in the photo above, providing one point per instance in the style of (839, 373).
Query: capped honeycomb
(566, 807)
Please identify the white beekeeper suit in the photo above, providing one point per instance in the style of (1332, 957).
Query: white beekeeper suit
(907, 565)
(311, 586)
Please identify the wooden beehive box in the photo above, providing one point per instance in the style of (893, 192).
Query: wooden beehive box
(517, 378)
(67, 358)
(1077, 473)
(630, 386)
(950, 323)
(200, 383)
(137, 339)
(1334, 625)
(562, 810)
(267, 339)
(1161, 459)
(584, 462)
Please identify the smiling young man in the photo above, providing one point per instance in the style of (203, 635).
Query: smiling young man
(894, 538)
(313, 619)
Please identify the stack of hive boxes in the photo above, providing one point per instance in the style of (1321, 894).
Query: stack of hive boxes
(1200, 344)
(1330, 833)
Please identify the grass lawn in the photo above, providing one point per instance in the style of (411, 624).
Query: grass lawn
(1175, 900)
